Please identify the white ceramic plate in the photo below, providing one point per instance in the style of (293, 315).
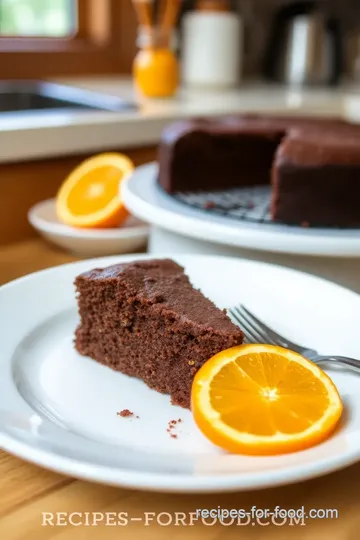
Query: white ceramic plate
(130, 237)
(59, 410)
(146, 200)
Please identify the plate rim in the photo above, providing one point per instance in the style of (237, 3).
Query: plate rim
(165, 482)
(60, 229)
(127, 257)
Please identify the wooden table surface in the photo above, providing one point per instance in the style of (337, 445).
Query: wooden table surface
(26, 491)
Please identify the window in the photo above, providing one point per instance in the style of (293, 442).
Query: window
(42, 38)
(41, 18)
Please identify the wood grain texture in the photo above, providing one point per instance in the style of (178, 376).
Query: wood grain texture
(23, 482)
(26, 491)
(23, 258)
(24, 184)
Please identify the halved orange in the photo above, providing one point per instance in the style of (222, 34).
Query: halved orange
(261, 399)
(89, 197)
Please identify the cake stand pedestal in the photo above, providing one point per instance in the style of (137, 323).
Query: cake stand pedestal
(177, 228)
(344, 271)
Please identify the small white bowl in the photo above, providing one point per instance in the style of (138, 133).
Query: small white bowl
(128, 238)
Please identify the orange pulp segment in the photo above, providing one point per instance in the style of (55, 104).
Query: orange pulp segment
(262, 399)
(89, 197)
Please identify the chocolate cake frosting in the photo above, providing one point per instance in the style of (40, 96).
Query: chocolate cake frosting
(312, 163)
(146, 320)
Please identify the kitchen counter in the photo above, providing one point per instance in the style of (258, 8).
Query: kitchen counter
(47, 135)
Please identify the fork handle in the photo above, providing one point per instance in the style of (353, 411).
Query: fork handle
(351, 363)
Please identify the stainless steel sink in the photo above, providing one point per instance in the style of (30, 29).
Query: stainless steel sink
(19, 97)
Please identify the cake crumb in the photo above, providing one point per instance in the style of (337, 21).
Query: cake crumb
(125, 412)
(171, 426)
(179, 420)
(191, 362)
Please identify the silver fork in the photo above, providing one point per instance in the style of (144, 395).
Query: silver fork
(258, 332)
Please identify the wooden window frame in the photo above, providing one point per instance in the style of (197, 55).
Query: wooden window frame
(104, 43)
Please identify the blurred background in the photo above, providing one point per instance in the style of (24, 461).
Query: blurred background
(263, 22)
(82, 77)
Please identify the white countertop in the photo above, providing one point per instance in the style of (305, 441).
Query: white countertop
(37, 135)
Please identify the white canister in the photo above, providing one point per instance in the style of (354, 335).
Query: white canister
(211, 49)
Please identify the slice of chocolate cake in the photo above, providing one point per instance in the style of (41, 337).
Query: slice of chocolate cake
(146, 320)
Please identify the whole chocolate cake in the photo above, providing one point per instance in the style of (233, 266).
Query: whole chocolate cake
(146, 320)
(312, 164)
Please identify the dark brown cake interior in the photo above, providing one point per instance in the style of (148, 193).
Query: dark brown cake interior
(313, 164)
(231, 151)
(204, 162)
(146, 320)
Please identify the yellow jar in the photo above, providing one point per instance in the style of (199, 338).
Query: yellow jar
(156, 71)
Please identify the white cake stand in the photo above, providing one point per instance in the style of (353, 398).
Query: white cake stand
(179, 228)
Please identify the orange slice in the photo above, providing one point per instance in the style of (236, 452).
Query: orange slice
(89, 197)
(261, 399)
